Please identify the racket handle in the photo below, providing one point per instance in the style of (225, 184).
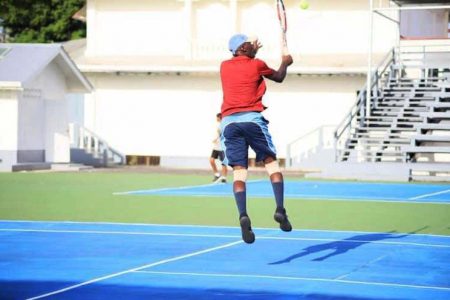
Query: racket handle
(284, 47)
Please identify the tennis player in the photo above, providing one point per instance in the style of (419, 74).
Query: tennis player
(217, 153)
(243, 125)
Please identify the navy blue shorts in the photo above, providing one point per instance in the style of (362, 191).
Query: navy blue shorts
(241, 131)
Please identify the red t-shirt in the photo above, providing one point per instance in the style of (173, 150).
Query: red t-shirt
(243, 84)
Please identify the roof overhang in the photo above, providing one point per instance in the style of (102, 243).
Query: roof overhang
(413, 5)
(419, 2)
(78, 82)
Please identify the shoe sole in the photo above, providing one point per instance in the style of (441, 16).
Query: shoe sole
(247, 234)
(285, 225)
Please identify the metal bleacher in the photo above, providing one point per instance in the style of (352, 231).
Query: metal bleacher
(408, 118)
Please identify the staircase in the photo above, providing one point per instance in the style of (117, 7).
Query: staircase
(89, 149)
(408, 121)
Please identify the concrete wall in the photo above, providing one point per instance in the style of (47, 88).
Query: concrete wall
(170, 115)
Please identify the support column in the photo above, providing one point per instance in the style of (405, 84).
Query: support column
(188, 31)
(91, 30)
(369, 67)
(234, 17)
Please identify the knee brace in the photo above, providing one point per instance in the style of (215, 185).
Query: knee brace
(273, 167)
(240, 175)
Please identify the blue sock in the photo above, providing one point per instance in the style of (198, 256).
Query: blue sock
(241, 202)
(278, 190)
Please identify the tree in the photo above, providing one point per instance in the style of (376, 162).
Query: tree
(41, 21)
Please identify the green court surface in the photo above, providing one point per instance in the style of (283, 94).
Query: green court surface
(88, 196)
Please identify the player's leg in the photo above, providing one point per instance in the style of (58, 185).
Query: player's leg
(260, 141)
(277, 181)
(223, 177)
(224, 173)
(212, 162)
(240, 195)
(235, 149)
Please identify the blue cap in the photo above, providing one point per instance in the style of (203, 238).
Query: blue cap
(236, 41)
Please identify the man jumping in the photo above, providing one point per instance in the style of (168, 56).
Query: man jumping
(244, 126)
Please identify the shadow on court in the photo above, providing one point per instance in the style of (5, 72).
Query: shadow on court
(343, 246)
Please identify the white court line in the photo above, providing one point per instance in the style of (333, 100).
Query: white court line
(428, 195)
(322, 197)
(163, 189)
(225, 236)
(209, 226)
(135, 269)
(175, 188)
(298, 278)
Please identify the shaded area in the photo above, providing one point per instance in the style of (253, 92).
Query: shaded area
(27, 289)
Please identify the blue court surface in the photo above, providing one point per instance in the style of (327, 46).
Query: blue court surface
(68, 260)
(329, 190)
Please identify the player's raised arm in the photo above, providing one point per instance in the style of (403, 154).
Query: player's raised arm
(280, 74)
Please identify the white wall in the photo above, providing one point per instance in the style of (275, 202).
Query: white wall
(172, 115)
(31, 135)
(424, 24)
(165, 28)
(8, 129)
(51, 81)
(135, 27)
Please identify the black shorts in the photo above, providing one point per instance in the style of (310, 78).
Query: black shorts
(216, 154)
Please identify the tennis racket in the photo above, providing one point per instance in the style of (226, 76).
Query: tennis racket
(281, 11)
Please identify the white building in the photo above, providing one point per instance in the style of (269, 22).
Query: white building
(35, 83)
(154, 65)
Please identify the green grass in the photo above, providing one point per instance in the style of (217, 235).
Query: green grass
(89, 197)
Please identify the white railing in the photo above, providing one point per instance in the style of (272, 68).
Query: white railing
(423, 56)
(302, 148)
(83, 138)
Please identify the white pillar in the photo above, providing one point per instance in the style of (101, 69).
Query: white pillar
(369, 66)
(9, 129)
(234, 18)
(91, 23)
(188, 32)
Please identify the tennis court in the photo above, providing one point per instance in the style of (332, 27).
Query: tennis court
(426, 193)
(88, 242)
(70, 260)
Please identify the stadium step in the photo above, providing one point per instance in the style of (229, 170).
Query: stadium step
(418, 79)
(391, 119)
(426, 149)
(430, 171)
(430, 138)
(436, 115)
(439, 104)
(430, 126)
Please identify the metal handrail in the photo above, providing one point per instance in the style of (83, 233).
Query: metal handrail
(319, 132)
(361, 102)
(86, 139)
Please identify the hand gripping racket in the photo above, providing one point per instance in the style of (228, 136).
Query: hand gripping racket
(283, 24)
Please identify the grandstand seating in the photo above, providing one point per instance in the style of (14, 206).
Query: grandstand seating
(408, 120)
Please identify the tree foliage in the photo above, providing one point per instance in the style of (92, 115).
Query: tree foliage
(41, 21)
